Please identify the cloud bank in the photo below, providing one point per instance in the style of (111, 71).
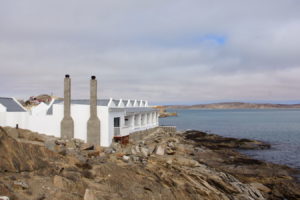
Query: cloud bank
(164, 51)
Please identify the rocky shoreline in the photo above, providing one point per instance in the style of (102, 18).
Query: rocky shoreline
(158, 165)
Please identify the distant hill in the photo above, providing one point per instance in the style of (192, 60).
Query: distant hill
(233, 105)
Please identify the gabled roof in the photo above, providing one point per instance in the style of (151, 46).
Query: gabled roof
(125, 102)
(116, 102)
(50, 110)
(11, 105)
(100, 102)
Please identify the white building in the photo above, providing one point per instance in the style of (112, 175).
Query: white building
(118, 118)
(12, 113)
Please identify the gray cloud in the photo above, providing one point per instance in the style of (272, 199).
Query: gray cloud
(164, 51)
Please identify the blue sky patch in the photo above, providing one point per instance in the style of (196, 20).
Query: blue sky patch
(184, 41)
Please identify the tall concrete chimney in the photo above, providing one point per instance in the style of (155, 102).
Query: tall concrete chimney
(67, 124)
(93, 124)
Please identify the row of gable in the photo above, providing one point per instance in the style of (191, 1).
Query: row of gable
(127, 103)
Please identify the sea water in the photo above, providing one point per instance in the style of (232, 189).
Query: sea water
(278, 127)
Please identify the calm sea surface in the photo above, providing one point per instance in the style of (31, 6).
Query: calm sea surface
(280, 128)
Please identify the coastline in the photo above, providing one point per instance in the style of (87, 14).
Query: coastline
(160, 164)
(277, 127)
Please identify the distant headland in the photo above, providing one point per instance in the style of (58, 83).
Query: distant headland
(234, 105)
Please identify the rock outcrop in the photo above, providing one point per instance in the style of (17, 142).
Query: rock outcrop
(160, 165)
(18, 157)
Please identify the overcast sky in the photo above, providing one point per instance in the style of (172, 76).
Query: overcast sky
(166, 51)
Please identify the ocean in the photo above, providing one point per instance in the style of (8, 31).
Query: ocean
(278, 127)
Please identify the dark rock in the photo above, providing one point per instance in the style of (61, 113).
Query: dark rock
(87, 174)
(62, 151)
(245, 161)
(216, 142)
(87, 147)
(84, 165)
(20, 185)
(60, 142)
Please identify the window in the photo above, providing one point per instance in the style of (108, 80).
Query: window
(117, 122)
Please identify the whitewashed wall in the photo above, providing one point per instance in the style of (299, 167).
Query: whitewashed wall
(46, 124)
(112, 115)
(2, 115)
(50, 124)
(14, 118)
(39, 121)
(81, 115)
(40, 109)
(103, 116)
(134, 125)
(2, 108)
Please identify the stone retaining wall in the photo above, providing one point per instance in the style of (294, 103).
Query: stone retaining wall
(140, 134)
(168, 128)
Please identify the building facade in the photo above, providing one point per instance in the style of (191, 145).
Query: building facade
(118, 118)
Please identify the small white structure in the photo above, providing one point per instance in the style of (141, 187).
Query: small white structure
(118, 118)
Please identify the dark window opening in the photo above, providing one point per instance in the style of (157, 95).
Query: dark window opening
(117, 122)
